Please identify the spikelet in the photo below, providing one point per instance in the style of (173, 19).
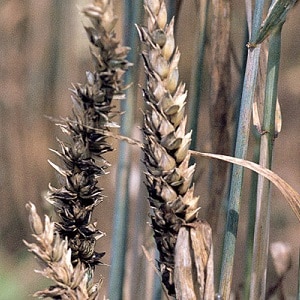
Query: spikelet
(55, 257)
(166, 143)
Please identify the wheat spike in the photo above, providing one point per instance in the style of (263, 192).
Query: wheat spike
(81, 153)
(75, 200)
(169, 176)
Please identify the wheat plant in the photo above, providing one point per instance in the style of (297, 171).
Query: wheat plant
(186, 263)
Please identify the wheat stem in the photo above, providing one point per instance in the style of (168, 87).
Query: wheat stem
(132, 14)
(262, 226)
(240, 152)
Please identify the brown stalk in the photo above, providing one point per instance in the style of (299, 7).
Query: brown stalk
(220, 106)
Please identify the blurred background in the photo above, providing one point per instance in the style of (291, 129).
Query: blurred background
(43, 49)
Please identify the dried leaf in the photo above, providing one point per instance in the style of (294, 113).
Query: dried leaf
(292, 196)
(278, 120)
(194, 271)
(255, 116)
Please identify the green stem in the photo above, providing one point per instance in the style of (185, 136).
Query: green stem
(240, 152)
(251, 223)
(261, 236)
(120, 224)
(237, 175)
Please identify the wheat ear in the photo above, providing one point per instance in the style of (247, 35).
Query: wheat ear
(166, 143)
(81, 154)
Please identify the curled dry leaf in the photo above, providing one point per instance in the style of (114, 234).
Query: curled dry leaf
(292, 196)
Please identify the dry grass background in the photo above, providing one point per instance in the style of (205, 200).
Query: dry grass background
(44, 49)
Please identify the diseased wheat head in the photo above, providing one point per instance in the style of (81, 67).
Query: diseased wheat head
(81, 159)
(75, 200)
(169, 176)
